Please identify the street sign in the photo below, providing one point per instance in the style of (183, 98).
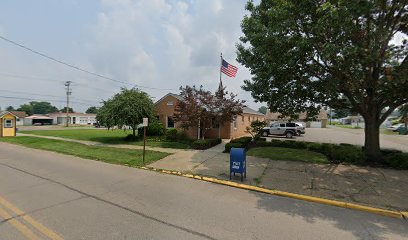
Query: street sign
(145, 122)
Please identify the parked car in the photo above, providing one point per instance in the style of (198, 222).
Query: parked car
(281, 129)
(395, 127)
(300, 128)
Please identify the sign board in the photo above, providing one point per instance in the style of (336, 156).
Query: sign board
(145, 122)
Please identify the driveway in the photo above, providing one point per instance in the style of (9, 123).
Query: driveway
(76, 198)
(351, 136)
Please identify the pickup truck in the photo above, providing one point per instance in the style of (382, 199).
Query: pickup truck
(281, 129)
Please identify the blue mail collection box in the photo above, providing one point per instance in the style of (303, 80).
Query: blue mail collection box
(238, 162)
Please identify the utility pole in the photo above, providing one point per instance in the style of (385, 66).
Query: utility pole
(67, 85)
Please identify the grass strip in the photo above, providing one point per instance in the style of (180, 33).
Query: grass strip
(288, 154)
(106, 137)
(128, 157)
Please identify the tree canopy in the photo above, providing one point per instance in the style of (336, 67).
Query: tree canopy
(263, 109)
(64, 109)
(35, 107)
(304, 54)
(200, 108)
(127, 108)
(10, 108)
(92, 109)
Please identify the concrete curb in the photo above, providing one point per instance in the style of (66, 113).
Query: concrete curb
(378, 211)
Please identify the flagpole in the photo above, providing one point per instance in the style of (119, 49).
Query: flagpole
(220, 68)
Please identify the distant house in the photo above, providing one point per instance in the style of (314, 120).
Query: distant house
(37, 119)
(7, 124)
(59, 118)
(165, 108)
(20, 115)
(319, 122)
(73, 118)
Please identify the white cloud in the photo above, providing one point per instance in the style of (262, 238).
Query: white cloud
(167, 44)
(156, 43)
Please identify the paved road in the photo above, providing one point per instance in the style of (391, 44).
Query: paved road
(71, 198)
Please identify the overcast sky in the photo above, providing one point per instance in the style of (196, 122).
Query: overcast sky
(155, 43)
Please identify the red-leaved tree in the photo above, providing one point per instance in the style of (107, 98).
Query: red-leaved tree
(200, 108)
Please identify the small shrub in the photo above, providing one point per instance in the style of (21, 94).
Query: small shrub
(182, 136)
(205, 143)
(201, 144)
(347, 153)
(397, 160)
(230, 145)
(171, 134)
(154, 129)
(389, 151)
(244, 140)
(131, 138)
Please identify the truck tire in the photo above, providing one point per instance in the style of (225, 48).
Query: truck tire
(264, 134)
(289, 134)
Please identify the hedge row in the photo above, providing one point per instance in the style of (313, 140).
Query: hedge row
(205, 143)
(341, 153)
(242, 142)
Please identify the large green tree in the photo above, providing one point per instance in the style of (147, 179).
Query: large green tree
(35, 107)
(304, 54)
(92, 109)
(126, 109)
(10, 108)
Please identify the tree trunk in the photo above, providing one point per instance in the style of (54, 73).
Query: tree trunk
(134, 132)
(372, 140)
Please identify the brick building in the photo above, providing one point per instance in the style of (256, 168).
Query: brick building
(165, 108)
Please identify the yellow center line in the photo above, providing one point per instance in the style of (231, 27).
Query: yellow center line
(49, 233)
(18, 225)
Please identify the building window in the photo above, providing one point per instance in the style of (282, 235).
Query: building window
(8, 123)
(249, 118)
(243, 118)
(234, 123)
(170, 122)
(170, 103)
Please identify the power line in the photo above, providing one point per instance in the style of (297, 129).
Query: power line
(51, 80)
(46, 95)
(36, 99)
(75, 67)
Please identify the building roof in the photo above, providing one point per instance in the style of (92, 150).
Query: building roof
(249, 110)
(6, 112)
(62, 114)
(38, 117)
(178, 97)
(302, 116)
(19, 114)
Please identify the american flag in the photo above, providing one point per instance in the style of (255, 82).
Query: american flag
(228, 69)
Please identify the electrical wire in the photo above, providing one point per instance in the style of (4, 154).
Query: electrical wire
(77, 68)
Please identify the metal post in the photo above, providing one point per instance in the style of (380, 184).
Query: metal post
(144, 144)
(67, 84)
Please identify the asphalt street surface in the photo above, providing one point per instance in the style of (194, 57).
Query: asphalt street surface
(45, 195)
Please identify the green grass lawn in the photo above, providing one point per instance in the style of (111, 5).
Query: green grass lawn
(106, 136)
(128, 157)
(288, 154)
(388, 132)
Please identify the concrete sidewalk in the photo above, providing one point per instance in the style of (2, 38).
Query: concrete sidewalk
(377, 187)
